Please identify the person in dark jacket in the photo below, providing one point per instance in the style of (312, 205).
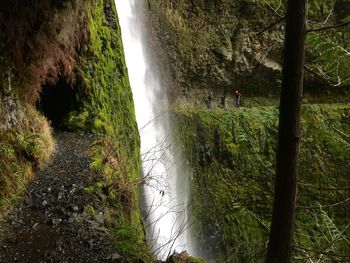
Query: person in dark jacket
(209, 101)
(223, 101)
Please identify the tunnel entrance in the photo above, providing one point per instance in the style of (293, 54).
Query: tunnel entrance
(57, 100)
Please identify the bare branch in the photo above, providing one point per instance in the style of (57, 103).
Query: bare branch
(303, 249)
(324, 188)
(328, 27)
(271, 25)
(325, 206)
(329, 15)
(324, 78)
(275, 11)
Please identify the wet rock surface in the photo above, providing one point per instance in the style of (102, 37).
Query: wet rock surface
(50, 224)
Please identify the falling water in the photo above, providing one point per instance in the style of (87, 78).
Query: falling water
(166, 190)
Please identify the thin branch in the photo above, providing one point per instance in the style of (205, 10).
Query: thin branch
(303, 249)
(329, 125)
(325, 206)
(329, 15)
(275, 11)
(310, 70)
(324, 188)
(271, 25)
(328, 27)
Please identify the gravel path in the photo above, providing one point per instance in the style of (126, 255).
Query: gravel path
(49, 225)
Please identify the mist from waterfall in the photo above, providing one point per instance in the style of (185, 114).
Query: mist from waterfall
(166, 190)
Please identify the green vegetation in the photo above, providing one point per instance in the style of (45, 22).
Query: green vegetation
(121, 192)
(22, 151)
(26, 64)
(183, 257)
(232, 155)
(331, 58)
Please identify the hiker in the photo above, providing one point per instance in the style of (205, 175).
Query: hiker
(209, 101)
(223, 101)
(238, 98)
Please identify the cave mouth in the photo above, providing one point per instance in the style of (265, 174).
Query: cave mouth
(57, 101)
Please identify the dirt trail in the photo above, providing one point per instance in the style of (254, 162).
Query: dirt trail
(50, 224)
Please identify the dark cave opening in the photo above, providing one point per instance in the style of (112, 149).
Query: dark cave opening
(57, 101)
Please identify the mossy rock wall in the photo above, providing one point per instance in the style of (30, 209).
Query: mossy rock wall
(80, 42)
(92, 61)
(232, 155)
(106, 103)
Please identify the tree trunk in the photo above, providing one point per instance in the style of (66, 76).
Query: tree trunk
(281, 234)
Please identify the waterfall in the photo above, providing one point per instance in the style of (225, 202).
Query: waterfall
(166, 188)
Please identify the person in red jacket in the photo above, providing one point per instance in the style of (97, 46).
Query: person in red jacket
(238, 98)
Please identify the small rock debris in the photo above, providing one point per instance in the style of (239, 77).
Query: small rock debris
(50, 224)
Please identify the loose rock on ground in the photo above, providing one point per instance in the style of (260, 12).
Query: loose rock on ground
(50, 224)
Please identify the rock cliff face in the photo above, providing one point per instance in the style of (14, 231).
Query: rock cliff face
(214, 43)
(227, 45)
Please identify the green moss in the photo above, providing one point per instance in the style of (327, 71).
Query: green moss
(106, 104)
(90, 211)
(183, 257)
(232, 155)
(129, 243)
(22, 151)
(195, 260)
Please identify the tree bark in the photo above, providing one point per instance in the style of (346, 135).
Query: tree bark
(282, 224)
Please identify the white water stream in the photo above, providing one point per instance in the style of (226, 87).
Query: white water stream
(166, 191)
